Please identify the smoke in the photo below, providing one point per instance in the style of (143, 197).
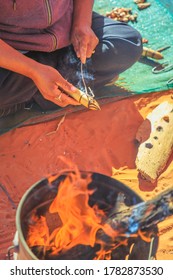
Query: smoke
(70, 68)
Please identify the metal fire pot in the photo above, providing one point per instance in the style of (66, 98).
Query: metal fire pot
(41, 195)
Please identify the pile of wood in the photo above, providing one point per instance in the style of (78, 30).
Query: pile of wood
(122, 14)
(142, 4)
(125, 14)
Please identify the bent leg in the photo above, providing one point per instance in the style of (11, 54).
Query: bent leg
(118, 49)
(120, 46)
(16, 89)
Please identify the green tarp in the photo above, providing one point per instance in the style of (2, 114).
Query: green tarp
(155, 24)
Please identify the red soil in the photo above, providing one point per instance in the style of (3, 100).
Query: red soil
(98, 141)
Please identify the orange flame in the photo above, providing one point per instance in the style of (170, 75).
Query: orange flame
(80, 222)
(38, 235)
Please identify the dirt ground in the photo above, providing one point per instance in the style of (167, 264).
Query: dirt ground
(98, 141)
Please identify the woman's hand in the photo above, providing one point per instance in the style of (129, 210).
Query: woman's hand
(47, 80)
(84, 41)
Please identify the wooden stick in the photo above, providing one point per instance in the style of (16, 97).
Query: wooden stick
(143, 215)
(151, 53)
(80, 96)
(126, 223)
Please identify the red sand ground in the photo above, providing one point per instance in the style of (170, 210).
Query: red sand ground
(98, 141)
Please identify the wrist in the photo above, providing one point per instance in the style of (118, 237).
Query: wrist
(33, 68)
(80, 20)
(82, 14)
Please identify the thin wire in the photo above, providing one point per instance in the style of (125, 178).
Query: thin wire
(83, 80)
(88, 90)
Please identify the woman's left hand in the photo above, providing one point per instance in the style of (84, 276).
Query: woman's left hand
(84, 41)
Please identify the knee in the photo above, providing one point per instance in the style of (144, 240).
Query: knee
(127, 45)
(125, 51)
(120, 46)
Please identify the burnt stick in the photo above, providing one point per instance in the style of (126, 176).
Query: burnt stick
(143, 215)
(126, 222)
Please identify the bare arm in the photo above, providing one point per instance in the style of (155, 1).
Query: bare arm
(15, 61)
(46, 78)
(83, 38)
(83, 11)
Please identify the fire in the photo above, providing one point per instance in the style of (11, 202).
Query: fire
(38, 235)
(79, 222)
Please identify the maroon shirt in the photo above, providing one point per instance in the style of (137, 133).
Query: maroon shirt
(39, 25)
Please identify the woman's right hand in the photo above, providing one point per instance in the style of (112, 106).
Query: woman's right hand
(47, 80)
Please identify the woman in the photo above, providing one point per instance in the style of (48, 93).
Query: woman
(43, 43)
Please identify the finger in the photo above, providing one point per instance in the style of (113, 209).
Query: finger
(91, 47)
(63, 84)
(77, 50)
(55, 98)
(76, 46)
(83, 53)
(64, 100)
(64, 96)
(90, 51)
(69, 100)
(82, 48)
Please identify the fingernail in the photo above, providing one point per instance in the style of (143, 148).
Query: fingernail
(73, 88)
(83, 60)
(78, 54)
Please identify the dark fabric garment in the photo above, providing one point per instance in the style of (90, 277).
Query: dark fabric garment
(119, 48)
